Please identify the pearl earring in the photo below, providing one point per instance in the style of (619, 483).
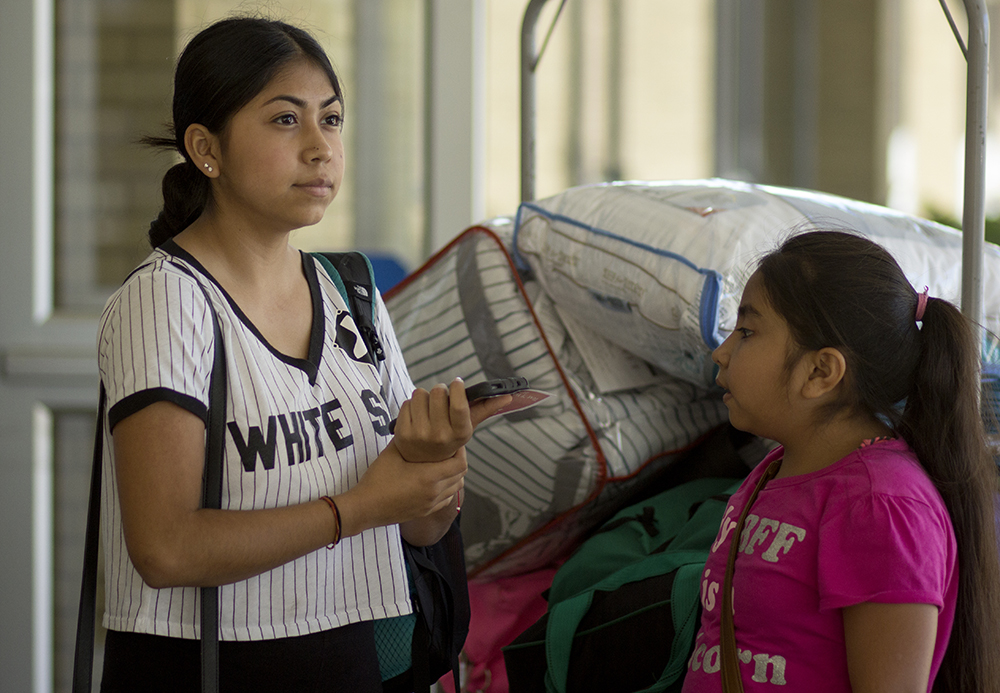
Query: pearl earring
(208, 167)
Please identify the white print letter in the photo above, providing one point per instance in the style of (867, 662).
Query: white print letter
(783, 540)
(695, 662)
(713, 660)
(744, 655)
(708, 592)
(760, 669)
(748, 526)
(724, 529)
(711, 590)
(760, 536)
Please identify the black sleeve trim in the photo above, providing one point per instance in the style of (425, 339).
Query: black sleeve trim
(142, 399)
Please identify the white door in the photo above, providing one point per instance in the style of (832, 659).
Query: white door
(76, 88)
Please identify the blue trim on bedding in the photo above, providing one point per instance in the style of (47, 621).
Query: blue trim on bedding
(708, 312)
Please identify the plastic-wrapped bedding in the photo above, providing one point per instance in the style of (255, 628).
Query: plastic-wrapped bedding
(658, 268)
(540, 478)
(991, 393)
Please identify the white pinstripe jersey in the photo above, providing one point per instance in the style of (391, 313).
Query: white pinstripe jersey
(296, 430)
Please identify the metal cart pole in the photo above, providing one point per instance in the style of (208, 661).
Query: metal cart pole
(973, 208)
(529, 63)
(973, 214)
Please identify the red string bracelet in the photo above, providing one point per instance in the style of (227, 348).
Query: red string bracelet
(336, 514)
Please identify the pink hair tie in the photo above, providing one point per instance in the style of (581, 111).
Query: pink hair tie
(921, 304)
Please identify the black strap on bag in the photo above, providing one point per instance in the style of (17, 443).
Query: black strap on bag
(212, 498)
(83, 660)
(353, 271)
(83, 663)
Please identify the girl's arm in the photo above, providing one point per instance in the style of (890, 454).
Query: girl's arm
(160, 455)
(890, 646)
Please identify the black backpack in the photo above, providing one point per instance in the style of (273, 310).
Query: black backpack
(439, 586)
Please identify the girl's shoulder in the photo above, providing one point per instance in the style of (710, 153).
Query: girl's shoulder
(887, 479)
(882, 466)
(886, 471)
(892, 468)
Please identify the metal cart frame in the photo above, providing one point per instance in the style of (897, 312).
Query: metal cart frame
(973, 209)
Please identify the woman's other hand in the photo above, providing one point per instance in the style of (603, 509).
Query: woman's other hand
(394, 491)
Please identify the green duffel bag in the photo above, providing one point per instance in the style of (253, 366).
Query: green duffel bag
(624, 609)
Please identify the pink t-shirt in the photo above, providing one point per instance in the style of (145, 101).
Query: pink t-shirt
(869, 528)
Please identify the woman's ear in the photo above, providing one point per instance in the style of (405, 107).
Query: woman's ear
(201, 145)
(827, 369)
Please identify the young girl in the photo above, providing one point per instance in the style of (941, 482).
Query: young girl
(869, 561)
(316, 493)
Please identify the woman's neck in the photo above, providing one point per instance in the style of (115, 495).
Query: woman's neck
(263, 275)
(238, 256)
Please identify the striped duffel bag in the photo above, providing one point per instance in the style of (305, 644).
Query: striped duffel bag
(541, 478)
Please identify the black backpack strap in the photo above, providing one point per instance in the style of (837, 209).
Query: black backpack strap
(354, 272)
(212, 498)
(420, 665)
(83, 662)
(211, 493)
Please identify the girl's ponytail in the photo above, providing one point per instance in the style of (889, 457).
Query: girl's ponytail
(942, 423)
(185, 194)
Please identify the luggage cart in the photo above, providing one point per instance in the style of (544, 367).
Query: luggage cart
(973, 219)
(976, 53)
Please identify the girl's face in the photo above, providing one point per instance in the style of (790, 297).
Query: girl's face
(281, 158)
(753, 367)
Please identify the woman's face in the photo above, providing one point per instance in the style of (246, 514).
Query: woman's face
(281, 157)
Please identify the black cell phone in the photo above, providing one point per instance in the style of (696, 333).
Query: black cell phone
(487, 388)
(495, 388)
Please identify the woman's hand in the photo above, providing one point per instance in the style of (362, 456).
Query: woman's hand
(395, 491)
(428, 530)
(433, 425)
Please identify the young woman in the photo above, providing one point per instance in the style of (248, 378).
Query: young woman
(316, 493)
(869, 561)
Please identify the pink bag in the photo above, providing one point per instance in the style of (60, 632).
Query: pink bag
(501, 610)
